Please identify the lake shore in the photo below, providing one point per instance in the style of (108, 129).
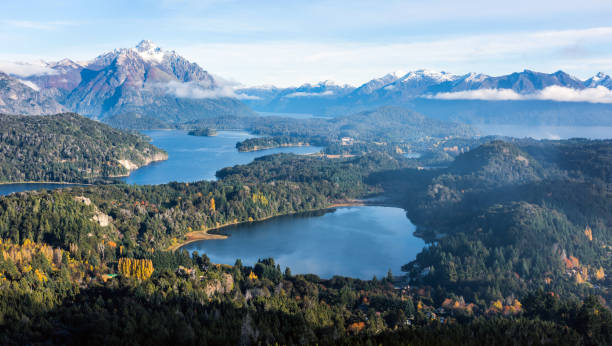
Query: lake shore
(43, 182)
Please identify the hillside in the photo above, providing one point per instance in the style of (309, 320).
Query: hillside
(69, 148)
(518, 216)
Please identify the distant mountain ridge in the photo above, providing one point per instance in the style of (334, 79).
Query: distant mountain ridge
(144, 81)
(419, 90)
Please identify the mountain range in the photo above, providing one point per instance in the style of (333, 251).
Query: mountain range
(149, 87)
(401, 88)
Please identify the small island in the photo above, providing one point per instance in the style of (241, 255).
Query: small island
(203, 132)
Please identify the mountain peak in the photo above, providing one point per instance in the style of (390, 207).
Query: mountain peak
(149, 51)
(440, 76)
(147, 45)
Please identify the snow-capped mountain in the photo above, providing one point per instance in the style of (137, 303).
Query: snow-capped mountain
(600, 79)
(144, 81)
(405, 88)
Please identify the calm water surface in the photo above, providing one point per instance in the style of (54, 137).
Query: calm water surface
(354, 241)
(194, 158)
(6, 189)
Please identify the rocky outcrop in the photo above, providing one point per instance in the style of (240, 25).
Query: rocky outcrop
(224, 285)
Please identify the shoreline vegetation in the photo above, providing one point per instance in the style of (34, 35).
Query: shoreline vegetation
(266, 147)
(203, 132)
(44, 182)
(84, 183)
(68, 147)
(194, 236)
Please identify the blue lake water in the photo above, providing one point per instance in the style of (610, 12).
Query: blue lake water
(6, 189)
(350, 241)
(194, 158)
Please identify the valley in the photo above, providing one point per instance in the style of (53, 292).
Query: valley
(147, 200)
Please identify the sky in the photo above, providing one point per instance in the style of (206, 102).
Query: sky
(289, 42)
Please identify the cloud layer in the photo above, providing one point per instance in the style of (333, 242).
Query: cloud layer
(309, 94)
(599, 94)
(25, 69)
(199, 90)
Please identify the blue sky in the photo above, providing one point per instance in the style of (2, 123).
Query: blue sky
(292, 42)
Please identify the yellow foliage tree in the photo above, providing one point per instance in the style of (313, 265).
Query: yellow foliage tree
(252, 276)
(588, 232)
(497, 305)
(138, 268)
(212, 204)
(600, 274)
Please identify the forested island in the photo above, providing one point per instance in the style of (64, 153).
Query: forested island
(522, 254)
(68, 148)
(203, 132)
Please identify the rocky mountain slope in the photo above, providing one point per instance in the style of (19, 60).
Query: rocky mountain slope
(132, 83)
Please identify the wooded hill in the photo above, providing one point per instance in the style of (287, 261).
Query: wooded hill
(68, 148)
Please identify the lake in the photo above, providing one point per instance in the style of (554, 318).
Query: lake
(6, 189)
(546, 132)
(190, 158)
(350, 241)
(194, 158)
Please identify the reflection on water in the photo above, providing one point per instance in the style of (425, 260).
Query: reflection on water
(354, 241)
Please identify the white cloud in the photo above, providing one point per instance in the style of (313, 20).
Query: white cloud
(309, 94)
(599, 94)
(481, 94)
(287, 63)
(200, 90)
(25, 69)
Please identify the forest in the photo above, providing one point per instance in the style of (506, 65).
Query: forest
(391, 129)
(68, 148)
(522, 255)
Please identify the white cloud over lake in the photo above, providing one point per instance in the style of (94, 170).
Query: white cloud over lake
(200, 90)
(599, 94)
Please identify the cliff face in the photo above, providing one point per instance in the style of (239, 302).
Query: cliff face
(145, 160)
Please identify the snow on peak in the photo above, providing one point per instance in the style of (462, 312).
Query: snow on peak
(146, 45)
(149, 51)
(439, 76)
(474, 77)
(328, 83)
(599, 76)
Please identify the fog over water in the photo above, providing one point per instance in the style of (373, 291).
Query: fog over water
(546, 132)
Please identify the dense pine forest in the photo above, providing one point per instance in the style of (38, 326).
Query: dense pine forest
(519, 253)
(68, 148)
